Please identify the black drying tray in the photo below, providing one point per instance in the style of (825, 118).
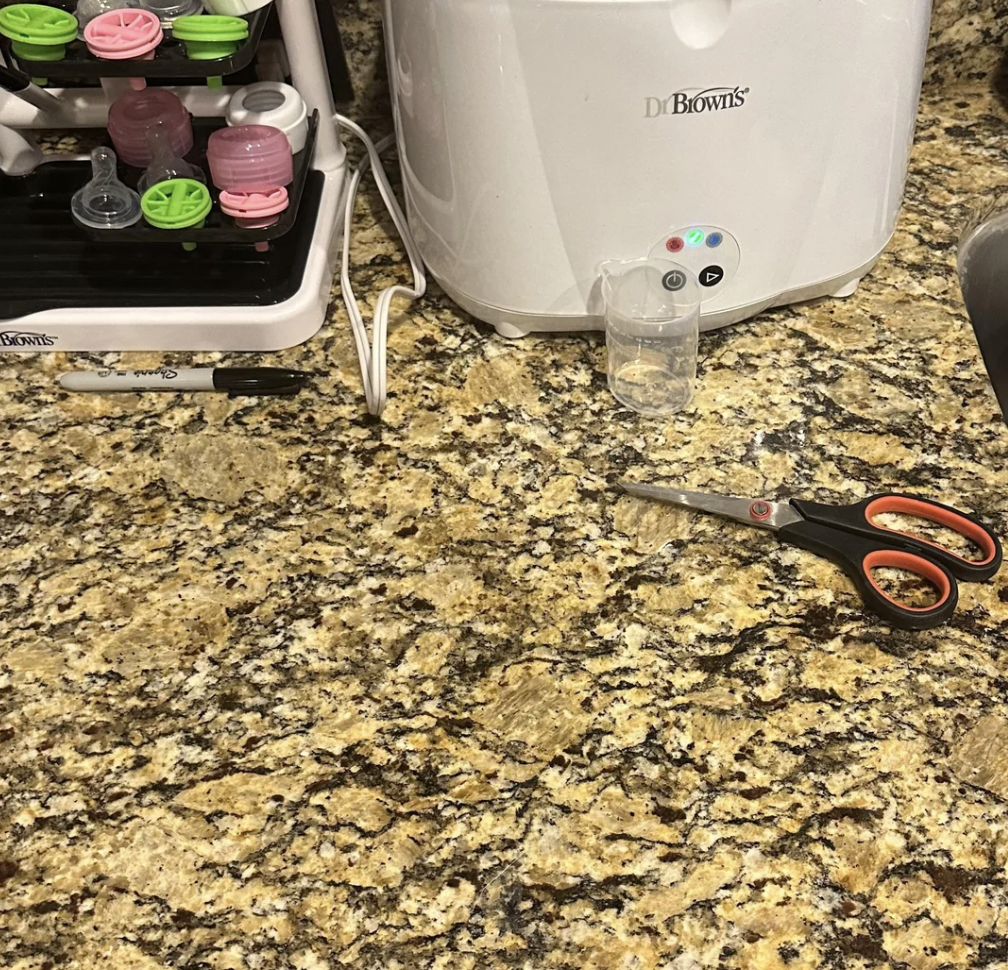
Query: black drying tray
(218, 227)
(169, 59)
(46, 264)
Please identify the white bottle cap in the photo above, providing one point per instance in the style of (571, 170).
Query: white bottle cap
(271, 103)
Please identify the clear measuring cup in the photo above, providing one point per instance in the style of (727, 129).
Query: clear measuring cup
(652, 317)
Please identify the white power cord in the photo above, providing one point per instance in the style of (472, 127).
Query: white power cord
(371, 348)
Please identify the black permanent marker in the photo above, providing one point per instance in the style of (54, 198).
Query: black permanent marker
(234, 381)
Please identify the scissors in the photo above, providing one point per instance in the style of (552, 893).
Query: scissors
(849, 538)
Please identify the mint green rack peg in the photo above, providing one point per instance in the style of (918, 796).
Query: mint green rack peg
(210, 38)
(38, 33)
(177, 204)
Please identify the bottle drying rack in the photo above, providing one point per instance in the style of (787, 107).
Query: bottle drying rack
(170, 62)
(68, 287)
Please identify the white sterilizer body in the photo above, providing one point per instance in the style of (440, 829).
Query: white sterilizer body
(763, 143)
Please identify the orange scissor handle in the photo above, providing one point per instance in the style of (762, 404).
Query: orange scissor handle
(859, 520)
(859, 557)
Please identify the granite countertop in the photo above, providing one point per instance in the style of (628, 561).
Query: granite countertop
(284, 687)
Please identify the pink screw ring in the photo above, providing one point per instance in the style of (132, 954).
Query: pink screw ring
(250, 158)
(137, 111)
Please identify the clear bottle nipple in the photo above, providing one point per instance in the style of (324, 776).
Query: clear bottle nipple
(105, 203)
(165, 163)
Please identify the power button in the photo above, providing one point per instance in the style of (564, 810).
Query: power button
(674, 280)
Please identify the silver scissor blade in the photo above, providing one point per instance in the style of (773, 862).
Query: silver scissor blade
(746, 510)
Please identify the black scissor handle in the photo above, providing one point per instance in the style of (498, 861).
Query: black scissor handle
(858, 557)
(859, 519)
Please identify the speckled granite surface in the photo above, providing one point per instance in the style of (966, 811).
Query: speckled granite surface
(281, 687)
(967, 39)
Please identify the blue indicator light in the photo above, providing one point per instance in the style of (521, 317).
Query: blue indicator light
(714, 240)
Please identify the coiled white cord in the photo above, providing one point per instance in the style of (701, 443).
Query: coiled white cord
(371, 348)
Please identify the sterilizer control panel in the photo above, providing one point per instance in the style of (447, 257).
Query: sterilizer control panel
(710, 253)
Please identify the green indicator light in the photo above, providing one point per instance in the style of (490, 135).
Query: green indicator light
(694, 237)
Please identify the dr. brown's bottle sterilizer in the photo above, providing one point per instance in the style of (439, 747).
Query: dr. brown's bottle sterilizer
(762, 143)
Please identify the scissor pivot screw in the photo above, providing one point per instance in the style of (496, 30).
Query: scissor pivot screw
(760, 510)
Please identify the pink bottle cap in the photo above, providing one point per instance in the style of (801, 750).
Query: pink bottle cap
(137, 111)
(250, 159)
(121, 35)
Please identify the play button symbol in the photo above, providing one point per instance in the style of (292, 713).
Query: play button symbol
(711, 276)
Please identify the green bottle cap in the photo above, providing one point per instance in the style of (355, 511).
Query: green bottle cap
(39, 33)
(176, 204)
(210, 37)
